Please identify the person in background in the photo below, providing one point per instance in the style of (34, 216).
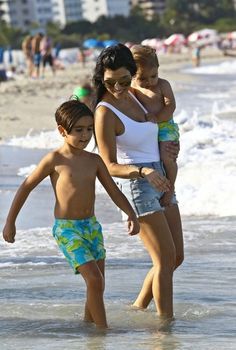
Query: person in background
(37, 55)
(128, 144)
(196, 56)
(157, 97)
(73, 172)
(28, 54)
(84, 93)
(46, 51)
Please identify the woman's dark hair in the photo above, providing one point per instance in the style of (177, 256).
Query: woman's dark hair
(70, 112)
(112, 57)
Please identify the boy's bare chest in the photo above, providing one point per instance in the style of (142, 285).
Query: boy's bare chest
(78, 173)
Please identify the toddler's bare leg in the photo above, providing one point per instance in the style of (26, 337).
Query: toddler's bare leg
(170, 166)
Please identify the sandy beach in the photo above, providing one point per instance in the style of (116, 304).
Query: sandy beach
(29, 105)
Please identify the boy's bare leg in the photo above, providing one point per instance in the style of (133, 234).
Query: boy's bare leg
(87, 315)
(171, 172)
(94, 278)
(171, 169)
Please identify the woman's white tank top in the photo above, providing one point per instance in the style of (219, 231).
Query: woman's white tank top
(139, 142)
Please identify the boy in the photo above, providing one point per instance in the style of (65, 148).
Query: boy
(73, 172)
(158, 98)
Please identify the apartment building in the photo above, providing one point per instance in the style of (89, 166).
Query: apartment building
(150, 8)
(23, 13)
(93, 9)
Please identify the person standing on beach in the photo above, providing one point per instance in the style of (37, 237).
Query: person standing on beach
(128, 144)
(73, 172)
(37, 56)
(196, 56)
(28, 54)
(46, 51)
(157, 97)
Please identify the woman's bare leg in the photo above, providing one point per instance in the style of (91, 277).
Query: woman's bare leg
(157, 238)
(174, 222)
(94, 279)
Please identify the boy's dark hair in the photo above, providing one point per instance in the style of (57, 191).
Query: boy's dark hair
(112, 57)
(70, 112)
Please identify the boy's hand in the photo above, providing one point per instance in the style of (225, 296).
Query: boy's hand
(133, 226)
(9, 232)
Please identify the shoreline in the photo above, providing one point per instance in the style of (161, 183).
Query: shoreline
(29, 105)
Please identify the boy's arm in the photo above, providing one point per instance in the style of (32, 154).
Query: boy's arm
(166, 113)
(117, 196)
(43, 169)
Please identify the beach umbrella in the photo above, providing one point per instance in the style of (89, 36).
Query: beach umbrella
(111, 42)
(231, 35)
(192, 38)
(175, 39)
(155, 43)
(92, 43)
(203, 37)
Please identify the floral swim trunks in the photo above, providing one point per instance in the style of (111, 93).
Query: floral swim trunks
(168, 131)
(80, 241)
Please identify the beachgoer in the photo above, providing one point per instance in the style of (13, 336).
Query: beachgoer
(82, 57)
(73, 172)
(157, 97)
(37, 55)
(129, 147)
(84, 93)
(27, 50)
(196, 56)
(46, 51)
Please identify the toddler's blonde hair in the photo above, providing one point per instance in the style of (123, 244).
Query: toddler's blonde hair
(144, 55)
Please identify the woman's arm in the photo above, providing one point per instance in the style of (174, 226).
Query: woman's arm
(117, 197)
(106, 129)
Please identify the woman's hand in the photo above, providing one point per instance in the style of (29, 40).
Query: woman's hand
(161, 183)
(172, 149)
(150, 117)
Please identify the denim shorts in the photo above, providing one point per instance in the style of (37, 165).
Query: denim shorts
(144, 198)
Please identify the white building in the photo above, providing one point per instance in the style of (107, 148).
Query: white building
(150, 8)
(93, 9)
(23, 13)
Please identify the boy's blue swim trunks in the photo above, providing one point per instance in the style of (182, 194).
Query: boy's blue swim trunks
(80, 241)
(168, 131)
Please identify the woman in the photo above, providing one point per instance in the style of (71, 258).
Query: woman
(129, 147)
